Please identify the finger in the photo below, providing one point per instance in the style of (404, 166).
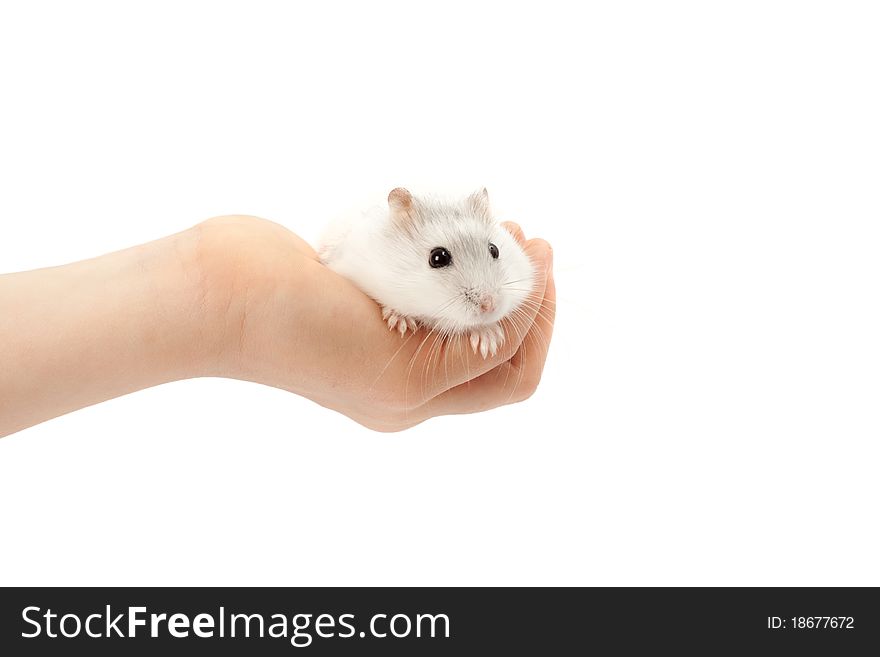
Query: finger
(537, 342)
(514, 229)
(491, 389)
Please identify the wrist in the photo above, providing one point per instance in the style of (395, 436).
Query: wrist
(234, 263)
(159, 292)
(203, 265)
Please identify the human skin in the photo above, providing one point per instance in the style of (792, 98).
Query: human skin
(245, 298)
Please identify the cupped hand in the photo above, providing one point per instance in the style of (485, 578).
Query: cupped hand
(290, 322)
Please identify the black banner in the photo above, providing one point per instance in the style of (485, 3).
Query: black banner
(445, 621)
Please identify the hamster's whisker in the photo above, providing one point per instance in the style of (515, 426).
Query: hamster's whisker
(537, 334)
(446, 360)
(517, 322)
(529, 290)
(514, 282)
(538, 310)
(520, 322)
(531, 305)
(524, 320)
(532, 297)
(412, 362)
(429, 365)
(391, 360)
(520, 370)
(435, 344)
(508, 365)
(534, 303)
(436, 353)
(531, 294)
(443, 306)
(533, 308)
(439, 348)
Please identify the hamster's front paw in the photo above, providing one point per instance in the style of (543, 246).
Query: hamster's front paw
(487, 339)
(398, 321)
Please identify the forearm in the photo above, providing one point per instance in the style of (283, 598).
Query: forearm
(75, 335)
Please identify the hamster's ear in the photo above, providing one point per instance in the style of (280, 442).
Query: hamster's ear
(401, 203)
(479, 203)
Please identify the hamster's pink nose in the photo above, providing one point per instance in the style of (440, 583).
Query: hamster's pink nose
(487, 304)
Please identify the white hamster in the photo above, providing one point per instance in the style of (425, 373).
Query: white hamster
(446, 265)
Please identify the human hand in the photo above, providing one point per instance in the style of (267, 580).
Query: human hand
(245, 298)
(292, 323)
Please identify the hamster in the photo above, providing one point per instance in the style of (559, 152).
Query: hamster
(445, 265)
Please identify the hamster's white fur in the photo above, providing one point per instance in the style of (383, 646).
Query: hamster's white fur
(387, 251)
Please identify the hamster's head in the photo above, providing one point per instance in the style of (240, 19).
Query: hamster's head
(459, 268)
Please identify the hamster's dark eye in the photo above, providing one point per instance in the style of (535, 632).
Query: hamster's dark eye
(440, 257)
(493, 251)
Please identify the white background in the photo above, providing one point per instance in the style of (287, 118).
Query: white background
(708, 173)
